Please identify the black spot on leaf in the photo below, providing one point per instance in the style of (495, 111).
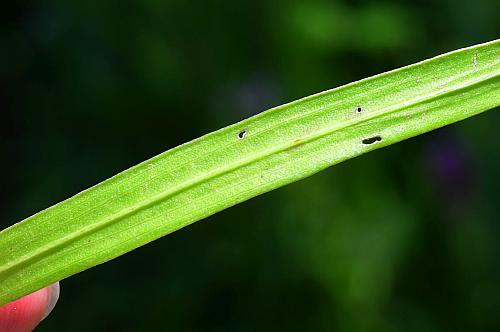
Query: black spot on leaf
(242, 134)
(371, 140)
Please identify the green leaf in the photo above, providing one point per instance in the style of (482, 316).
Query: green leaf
(231, 165)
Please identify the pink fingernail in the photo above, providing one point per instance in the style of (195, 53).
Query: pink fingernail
(53, 296)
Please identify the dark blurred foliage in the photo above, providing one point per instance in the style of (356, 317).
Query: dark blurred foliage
(402, 239)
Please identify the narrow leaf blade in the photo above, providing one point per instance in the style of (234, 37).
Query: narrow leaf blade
(231, 165)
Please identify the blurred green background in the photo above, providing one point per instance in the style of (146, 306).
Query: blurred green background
(402, 239)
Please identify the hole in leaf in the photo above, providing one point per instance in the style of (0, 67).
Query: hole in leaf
(359, 109)
(242, 134)
(371, 140)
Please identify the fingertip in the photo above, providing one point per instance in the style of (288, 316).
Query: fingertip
(24, 314)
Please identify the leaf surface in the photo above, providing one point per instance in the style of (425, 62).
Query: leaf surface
(231, 165)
